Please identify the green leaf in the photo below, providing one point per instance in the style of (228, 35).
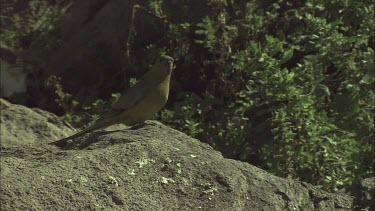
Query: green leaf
(322, 91)
(287, 55)
(290, 77)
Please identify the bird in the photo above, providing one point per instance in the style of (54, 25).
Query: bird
(138, 103)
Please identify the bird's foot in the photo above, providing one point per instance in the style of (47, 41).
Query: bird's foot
(62, 143)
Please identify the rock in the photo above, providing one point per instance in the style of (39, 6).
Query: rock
(12, 79)
(22, 125)
(86, 43)
(145, 167)
(364, 192)
(94, 35)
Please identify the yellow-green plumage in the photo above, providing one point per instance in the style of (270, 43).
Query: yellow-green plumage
(139, 103)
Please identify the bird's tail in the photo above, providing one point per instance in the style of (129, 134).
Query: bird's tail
(99, 124)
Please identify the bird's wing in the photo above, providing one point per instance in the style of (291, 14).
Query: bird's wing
(131, 97)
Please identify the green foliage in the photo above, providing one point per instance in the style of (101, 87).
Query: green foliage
(11, 38)
(62, 99)
(46, 36)
(285, 85)
(156, 7)
(76, 114)
(43, 34)
(85, 115)
(191, 124)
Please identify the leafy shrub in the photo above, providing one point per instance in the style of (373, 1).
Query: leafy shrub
(284, 85)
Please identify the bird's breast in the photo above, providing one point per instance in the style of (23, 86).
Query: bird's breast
(154, 99)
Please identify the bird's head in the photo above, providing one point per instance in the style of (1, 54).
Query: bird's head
(165, 63)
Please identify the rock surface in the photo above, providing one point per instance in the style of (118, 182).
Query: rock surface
(145, 167)
(364, 192)
(21, 125)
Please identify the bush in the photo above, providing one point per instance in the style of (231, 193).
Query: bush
(283, 85)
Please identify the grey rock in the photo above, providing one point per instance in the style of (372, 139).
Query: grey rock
(145, 167)
(22, 125)
(364, 193)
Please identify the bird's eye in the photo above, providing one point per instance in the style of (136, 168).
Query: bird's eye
(166, 60)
